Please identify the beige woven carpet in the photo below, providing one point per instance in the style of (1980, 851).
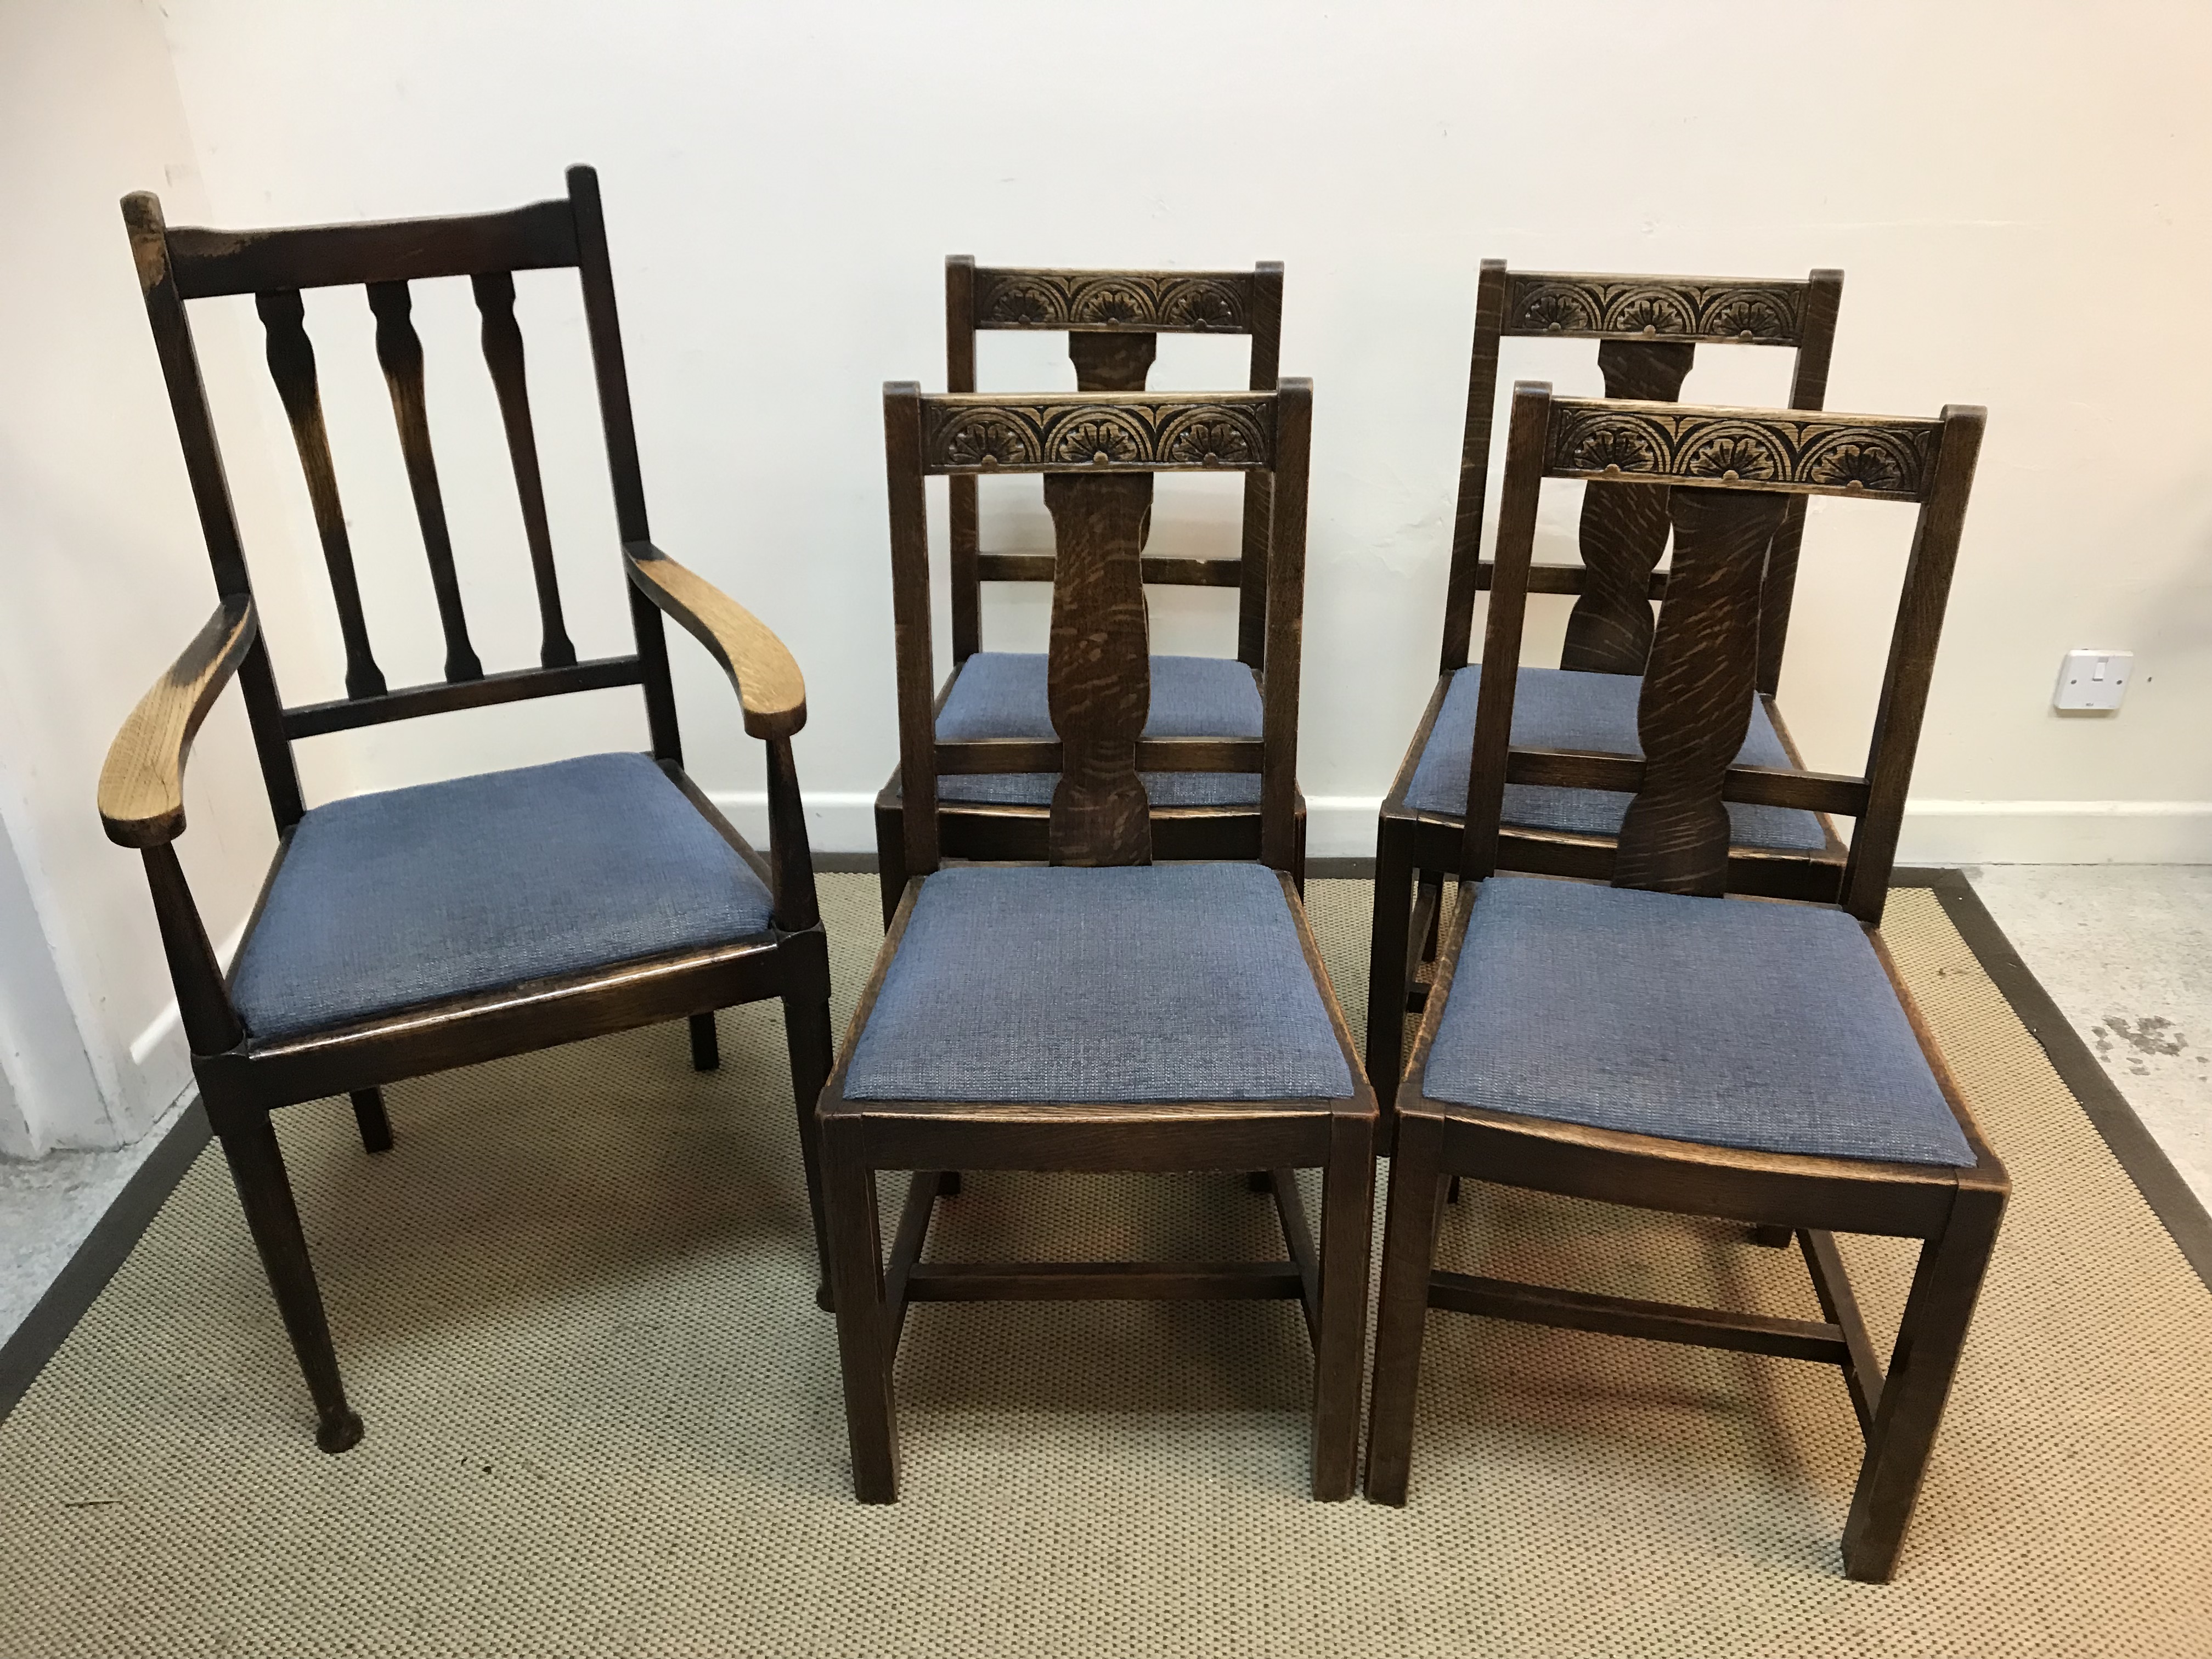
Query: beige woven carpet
(574, 1306)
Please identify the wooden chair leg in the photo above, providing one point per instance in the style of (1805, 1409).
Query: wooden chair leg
(1347, 1222)
(706, 1043)
(370, 1117)
(806, 1037)
(1921, 1366)
(1386, 964)
(257, 1166)
(1434, 935)
(1409, 1237)
(863, 1348)
(891, 858)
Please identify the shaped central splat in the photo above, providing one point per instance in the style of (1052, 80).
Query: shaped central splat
(1099, 685)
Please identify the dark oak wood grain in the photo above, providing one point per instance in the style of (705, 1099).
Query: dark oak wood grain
(1694, 706)
(1647, 328)
(399, 350)
(1697, 693)
(1098, 672)
(503, 356)
(243, 1078)
(1100, 686)
(1623, 528)
(292, 365)
(1113, 320)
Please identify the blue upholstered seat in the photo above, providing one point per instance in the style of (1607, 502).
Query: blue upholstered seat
(1727, 1022)
(412, 896)
(1176, 981)
(1001, 694)
(1564, 708)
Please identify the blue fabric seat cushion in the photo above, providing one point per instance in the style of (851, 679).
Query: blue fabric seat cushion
(1001, 694)
(1566, 709)
(413, 896)
(1164, 982)
(1727, 1022)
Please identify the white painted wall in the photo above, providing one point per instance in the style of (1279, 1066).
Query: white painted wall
(105, 580)
(2017, 191)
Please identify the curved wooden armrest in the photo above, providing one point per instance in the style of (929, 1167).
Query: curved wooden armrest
(141, 786)
(767, 681)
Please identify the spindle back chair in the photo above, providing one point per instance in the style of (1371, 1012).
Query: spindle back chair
(740, 929)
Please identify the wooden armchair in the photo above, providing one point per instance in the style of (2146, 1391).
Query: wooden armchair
(1101, 1013)
(1656, 1043)
(1113, 320)
(419, 929)
(1648, 330)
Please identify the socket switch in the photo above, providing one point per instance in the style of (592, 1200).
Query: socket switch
(2093, 679)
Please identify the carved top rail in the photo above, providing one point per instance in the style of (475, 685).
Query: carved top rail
(207, 263)
(1800, 452)
(1117, 301)
(1580, 305)
(1098, 432)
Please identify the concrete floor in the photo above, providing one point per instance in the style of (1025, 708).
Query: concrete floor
(2125, 950)
(48, 1205)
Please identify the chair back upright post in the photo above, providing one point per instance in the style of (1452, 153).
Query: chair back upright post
(1729, 479)
(1098, 455)
(176, 264)
(1648, 329)
(1113, 320)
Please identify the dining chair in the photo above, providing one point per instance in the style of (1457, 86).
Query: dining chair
(1659, 1043)
(413, 930)
(1648, 330)
(1113, 320)
(1097, 1012)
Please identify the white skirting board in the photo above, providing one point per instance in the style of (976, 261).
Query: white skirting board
(1936, 831)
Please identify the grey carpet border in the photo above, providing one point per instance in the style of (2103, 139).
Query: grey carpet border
(117, 1232)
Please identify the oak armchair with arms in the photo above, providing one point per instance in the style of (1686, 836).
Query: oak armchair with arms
(414, 930)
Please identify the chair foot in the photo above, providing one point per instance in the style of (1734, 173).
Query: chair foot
(338, 1430)
(824, 1300)
(375, 1124)
(1773, 1238)
(705, 1044)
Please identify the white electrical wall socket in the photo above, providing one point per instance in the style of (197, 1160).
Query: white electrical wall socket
(2093, 679)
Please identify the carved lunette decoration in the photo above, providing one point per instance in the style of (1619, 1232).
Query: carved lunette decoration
(1226, 431)
(1799, 452)
(1133, 301)
(1740, 311)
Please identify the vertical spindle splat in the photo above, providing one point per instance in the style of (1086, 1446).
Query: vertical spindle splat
(502, 351)
(399, 350)
(292, 366)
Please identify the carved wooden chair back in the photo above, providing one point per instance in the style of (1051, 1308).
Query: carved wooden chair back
(1725, 479)
(1113, 320)
(1648, 330)
(177, 265)
(1098, 454)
